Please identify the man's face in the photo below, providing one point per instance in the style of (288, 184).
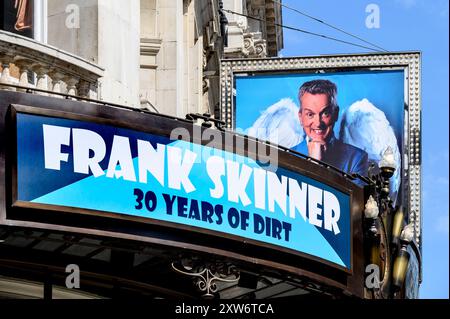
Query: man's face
(317, 117)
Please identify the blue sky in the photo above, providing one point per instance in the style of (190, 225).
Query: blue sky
(405, 25)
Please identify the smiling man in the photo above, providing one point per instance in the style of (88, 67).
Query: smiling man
(318, 113)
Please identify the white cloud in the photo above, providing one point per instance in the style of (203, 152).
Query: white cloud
(294, 39)
(442, 181)
(437, 158)
(407, 3)
(441, 225)
(438, 8)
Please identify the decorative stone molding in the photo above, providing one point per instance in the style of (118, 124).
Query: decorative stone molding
(254, 45)
(205, 85)
(23, 66)
(46, 62)
(5, 63)
(212, 35)
(57, 81)
(273, 32)
(253, 38)
(256, 9)
(269, 13)
(83, 88)
(150, 48)
(71, 85)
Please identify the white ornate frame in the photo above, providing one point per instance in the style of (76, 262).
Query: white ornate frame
(409, 62)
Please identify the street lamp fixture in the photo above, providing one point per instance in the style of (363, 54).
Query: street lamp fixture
(402, 260)
(387, 163)
(371, 213)
(387, 166)
(387, 244)
(407, 234)
(397, 225)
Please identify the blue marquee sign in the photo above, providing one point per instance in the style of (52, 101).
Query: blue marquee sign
(85, 165)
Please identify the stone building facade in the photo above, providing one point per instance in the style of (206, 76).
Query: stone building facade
(163, 56)
(158, 55)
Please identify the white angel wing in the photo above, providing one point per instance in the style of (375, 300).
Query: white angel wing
(365, 126)
(279, 124)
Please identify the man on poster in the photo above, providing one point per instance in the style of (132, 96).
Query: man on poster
(318, 113)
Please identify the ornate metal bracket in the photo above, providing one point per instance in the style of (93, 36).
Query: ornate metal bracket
(383, 234)
(207, 119)
(206, 275)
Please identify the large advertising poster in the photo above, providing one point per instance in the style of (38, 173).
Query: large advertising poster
(76, 166)
(347, 111)
(345, 119)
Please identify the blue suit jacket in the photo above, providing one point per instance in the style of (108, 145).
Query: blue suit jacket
(346, 157)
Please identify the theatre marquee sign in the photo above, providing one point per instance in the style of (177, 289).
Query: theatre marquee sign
(74, 164)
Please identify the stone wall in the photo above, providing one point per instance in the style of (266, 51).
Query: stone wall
(118, 50)
(106, 33)
(158, 54)
(77, 35)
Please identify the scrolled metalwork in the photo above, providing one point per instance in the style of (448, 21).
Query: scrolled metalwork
(207, 274)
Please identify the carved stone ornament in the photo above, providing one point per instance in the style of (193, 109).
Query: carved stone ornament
(254, 45)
